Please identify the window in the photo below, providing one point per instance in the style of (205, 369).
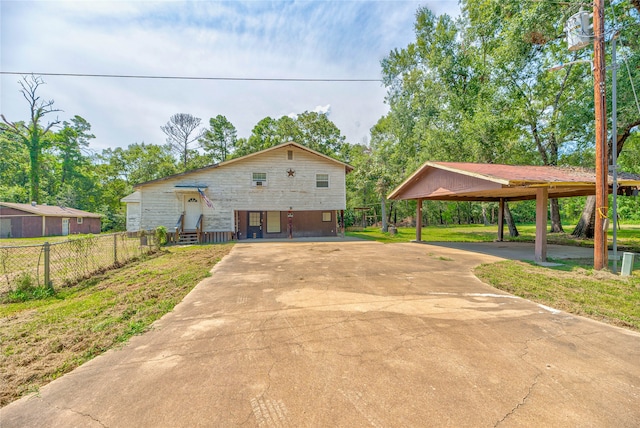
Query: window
(254, 219)
(326, 216)
(259, 178)
(79, 220)
(322, 180)
(290, 154)
(273, 221)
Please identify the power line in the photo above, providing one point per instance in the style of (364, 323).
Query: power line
(239, 79)
(624, 58)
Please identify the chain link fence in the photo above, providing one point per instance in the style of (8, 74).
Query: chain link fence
(63, 263)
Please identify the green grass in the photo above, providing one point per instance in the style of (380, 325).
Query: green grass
(9, 242)
(573, 287)
(458, 233)
(41, 340)
(628, 238)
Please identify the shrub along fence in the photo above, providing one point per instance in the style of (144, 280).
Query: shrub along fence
(64, 263)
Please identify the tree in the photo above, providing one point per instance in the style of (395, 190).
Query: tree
(316, 131)
(33, 135)
(311, 129)
(219, 141)
(628, 109)
(263, 135)
(182, 131)
(137, 163)
(70, 142)
(14, 168)
(444, 103)
(120, 169)
(523, 41)
(479, 89)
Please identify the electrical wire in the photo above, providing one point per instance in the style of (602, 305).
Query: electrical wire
(240, 79)
(626, 63)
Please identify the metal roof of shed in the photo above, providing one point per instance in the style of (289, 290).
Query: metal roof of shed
(461, 181)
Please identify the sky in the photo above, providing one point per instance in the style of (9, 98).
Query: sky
(212, 39)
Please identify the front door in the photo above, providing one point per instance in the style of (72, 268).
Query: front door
(192, 211)
(65, 226)
(255, 225)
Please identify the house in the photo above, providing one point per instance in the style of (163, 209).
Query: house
(31, 220)
(284, 191)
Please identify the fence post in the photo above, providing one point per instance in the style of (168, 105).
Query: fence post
(115, 248)
(47, 273)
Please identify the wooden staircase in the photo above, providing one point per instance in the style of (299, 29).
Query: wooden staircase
(188, 237)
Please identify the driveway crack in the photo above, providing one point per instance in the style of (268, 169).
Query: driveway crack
(521, 403)
(86, 415)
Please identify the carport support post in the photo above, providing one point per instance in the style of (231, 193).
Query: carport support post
(542, 199)
(419, 221)
(501, 221)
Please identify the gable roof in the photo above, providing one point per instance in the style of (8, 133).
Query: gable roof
(50, 210)
(134, 197)
(348, 168)
(491, 182)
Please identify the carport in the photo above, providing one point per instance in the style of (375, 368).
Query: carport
(461, 181)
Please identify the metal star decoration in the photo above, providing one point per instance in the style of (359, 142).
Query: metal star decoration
(291, 173)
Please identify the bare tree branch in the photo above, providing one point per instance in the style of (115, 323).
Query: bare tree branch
(33, 135)
(181, 131)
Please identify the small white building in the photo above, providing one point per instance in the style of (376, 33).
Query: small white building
(287, 190)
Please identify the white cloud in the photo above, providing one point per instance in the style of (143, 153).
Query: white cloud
(310, 39)
(326, 110)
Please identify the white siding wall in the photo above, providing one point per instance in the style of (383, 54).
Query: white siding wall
(230, 187)
(133, 216)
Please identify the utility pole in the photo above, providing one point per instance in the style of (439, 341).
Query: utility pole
(600, 251)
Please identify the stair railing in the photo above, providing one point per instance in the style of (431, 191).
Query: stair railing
(199, 228)
(179, 227)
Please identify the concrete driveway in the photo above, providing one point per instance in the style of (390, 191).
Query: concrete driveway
(351, 334)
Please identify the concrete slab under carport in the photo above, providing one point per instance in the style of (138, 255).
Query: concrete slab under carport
(466, 181)
(349, 334)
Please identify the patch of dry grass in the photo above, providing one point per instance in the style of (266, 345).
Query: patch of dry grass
(41, 340)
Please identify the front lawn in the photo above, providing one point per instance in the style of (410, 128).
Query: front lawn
(41, 340)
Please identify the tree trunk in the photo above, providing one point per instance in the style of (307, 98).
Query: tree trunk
(513, 230)
(383, 205)
(585, 227)
(556, 223)
(484, 215)
(34, 174)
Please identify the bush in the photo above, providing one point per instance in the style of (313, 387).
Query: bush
(25, 289)
(161, 236)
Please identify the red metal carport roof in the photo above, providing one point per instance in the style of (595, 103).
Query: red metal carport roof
(461, 181)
